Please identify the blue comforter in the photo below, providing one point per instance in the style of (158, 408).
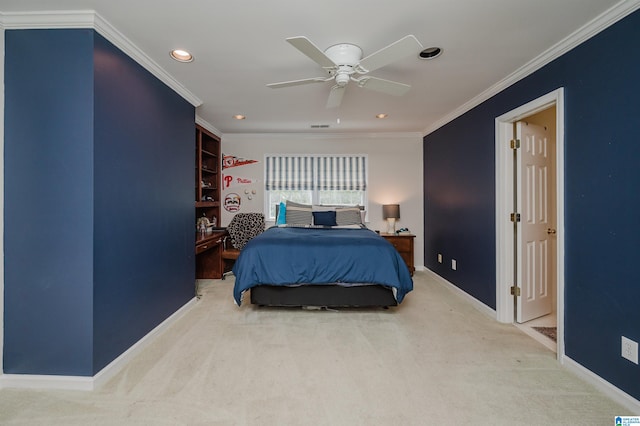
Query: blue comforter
(291, 256)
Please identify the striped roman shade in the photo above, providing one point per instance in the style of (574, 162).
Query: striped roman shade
(342, 173)
(289, 173)
(316, 173)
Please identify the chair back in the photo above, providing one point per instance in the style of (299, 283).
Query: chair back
(243, 227)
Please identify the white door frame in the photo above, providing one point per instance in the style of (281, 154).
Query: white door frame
(505, 202)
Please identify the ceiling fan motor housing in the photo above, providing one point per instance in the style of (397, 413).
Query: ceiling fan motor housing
(344, 54)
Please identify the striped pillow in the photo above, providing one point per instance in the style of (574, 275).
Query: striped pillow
(298, 214)
(348, 216)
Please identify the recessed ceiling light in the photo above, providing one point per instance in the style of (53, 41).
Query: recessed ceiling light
(382, 115)
(239, 117)
(181, 55)
(430, 53)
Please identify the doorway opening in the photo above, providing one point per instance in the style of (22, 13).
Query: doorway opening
(548, 109)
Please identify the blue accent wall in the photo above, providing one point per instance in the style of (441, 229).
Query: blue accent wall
(48, 223)
(602, 199)
(144, 254)
(98, 202)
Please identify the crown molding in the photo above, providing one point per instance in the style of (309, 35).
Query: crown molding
(325, 136)
(210, 127)
(93, 20)
(590, 29)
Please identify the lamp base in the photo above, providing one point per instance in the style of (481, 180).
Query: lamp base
(391, 225)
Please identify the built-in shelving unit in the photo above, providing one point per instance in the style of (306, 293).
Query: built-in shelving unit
(208, 178)
(207, 198)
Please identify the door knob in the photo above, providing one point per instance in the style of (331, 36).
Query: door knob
(551, 231)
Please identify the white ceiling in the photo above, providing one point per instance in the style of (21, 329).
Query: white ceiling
(239, 47)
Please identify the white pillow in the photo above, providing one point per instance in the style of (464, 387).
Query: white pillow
(321, 208)
(348, 216)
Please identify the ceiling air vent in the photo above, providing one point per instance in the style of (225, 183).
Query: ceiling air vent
(319, 126)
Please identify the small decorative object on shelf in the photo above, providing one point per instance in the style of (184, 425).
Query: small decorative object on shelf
(202, 224)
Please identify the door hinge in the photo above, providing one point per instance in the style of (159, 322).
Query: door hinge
(515, 291)
(515, 217)
(514, 143)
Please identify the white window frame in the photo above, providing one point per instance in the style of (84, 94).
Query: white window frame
(315, 191)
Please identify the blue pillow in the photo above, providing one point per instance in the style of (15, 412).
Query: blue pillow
(282, 214)
(324, 218)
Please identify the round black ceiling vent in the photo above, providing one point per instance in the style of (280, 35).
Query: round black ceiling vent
(430, 53)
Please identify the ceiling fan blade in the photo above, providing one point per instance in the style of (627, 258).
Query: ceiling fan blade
(298, 82)
(406, 46)
(335, 96)
(305, 46)
(385, 86)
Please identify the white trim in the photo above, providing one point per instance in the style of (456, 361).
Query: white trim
(91, 19)
(210, 127)
(472, 300)
(613, 392)
(36, 381)
(504, 206)
(590, 29)
(229, 137)
(104, 375)
(1, 200)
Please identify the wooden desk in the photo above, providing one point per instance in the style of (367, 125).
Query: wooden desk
(404, 245)
(208, 260)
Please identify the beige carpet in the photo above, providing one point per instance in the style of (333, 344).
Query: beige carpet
(433, 360)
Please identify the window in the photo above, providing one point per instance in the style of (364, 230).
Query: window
(317, 179)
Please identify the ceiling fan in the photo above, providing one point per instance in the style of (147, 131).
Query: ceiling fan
(343, 63)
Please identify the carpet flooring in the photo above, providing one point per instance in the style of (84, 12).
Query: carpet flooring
(435, 359)
(550, 332)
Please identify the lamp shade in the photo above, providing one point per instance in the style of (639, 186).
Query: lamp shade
(391, 211)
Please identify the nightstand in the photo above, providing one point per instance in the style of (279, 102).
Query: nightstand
(404, 244)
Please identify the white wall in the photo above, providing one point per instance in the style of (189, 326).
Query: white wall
(395, 172)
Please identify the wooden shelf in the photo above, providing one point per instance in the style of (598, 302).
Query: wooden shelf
(206, 204)
(207, 170)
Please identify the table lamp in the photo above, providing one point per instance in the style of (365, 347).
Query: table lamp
(391, 212)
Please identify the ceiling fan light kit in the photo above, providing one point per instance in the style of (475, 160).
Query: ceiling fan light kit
(343, 63)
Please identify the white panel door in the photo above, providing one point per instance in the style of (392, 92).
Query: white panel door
(535, 227)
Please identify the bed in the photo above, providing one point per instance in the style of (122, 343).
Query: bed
(321, 266)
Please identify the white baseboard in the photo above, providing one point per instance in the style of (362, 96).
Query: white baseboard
(616, 394)
(81, 383)
(37, 381)
(475, 302)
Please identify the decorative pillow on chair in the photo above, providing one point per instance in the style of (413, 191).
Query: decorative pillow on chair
(325, 218)
(298, 214)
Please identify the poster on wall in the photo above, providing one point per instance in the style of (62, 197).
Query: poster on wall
(232, 202)
(229, 161)
(231, 180)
